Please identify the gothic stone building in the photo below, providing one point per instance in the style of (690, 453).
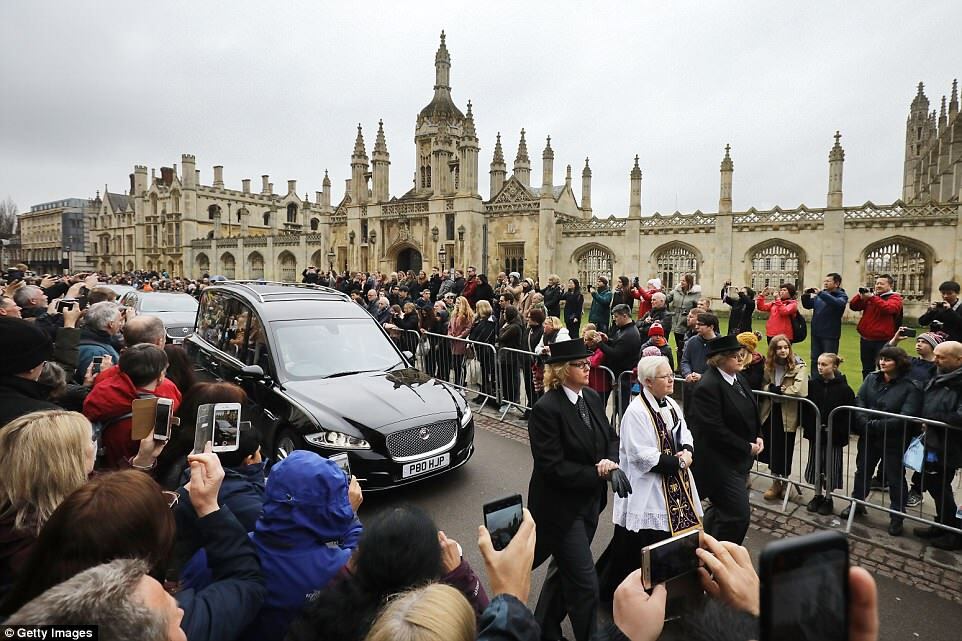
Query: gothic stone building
(175, 223)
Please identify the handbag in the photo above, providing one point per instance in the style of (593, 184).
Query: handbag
(469, 352)
(914, 457)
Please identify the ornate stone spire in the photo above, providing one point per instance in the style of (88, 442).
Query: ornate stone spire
(586, 190)
(442, 66)
(522, 151)
(726, 163)
(327, 180)
(943, 115)
(498, 152)
(359, 152)
(522, 163)
(586, 172)
(837, 152)
(548, 151)
(380, 145)
(498, 169)
(568, 176)
(636, 170)
(469, 130)
(954, 102)
(920, 102)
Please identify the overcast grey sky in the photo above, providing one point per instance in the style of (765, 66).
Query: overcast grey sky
(91, 88)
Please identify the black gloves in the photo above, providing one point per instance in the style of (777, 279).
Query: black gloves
(619, 483)
(774, 389)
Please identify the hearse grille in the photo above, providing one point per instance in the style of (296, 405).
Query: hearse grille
(422, 439)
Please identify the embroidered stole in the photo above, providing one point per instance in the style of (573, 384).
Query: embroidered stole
(676, 488)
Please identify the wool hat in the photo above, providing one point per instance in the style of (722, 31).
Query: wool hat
(932, 338)
(656, 329)
(651, 350)
(23, 346)
(748, 340)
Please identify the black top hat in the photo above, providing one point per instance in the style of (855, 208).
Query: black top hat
(722, 344)
(565, 351)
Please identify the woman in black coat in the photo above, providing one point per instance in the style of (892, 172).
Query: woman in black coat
(552, 296)
(828, 389)
(743, 306)
(574, 307)
(575, 451)
(484, 330)
(510, 336)
(483, 292)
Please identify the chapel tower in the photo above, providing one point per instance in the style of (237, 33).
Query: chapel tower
(440, 127)
(920, 130)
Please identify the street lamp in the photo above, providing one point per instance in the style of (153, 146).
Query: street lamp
(461, 231)
(434, 233)
(441, 254)
(330, 259)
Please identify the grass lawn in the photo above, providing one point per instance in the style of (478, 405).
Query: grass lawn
(848, 346)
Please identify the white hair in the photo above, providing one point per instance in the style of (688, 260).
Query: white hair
(101, 314)
(660, 295)
(648, 366)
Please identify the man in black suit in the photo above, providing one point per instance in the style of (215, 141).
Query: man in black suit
(723, 417)
(622, 350)
(575, 451)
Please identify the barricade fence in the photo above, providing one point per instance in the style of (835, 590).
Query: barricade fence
(521, 387)
(883, 438)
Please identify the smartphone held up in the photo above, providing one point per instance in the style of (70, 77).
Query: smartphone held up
(503, 518)
(218, 424)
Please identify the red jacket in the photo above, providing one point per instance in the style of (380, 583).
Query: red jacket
(780, 313)
(111, 396)
(598, 379)
(881, 315)
(644, 299)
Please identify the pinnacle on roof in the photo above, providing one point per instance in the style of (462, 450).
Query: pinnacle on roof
(636, 170)
(522, 150)
(837, 152)
(327, 180)
(469, 130)
(568, 175)
(442, 55)
(942, 110)
(380, 145)
(726, 163)
(954, 102)
(586, 172)
(548, 151)
(442, 107)
(498, 151)
(920, 102)
(359, 144)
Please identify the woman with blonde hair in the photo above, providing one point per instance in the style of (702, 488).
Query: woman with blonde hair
(459, 327)
(485, 330)
(554, 330)
(435, 612)
(785, 374)
(44, 456)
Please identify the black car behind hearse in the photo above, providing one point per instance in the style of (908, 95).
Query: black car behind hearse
(323, 375)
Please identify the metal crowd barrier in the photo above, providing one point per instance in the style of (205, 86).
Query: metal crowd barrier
(877, 448)
(517, 380)
(436, 356)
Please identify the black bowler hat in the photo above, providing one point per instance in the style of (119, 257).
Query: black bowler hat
(565, 351)
(723, 344)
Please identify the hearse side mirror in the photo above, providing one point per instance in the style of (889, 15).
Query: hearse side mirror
(254, 372)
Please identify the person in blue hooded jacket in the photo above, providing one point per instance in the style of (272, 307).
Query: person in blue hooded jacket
(306, 532)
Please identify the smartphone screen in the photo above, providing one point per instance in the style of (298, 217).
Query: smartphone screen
(202, 427)
(670, 558)
(343, 463)
(162, 419)
(98, 364)
(502, 518)
(804, 589)
(225, 423)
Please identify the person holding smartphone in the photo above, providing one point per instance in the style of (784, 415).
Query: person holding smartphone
(575, 451)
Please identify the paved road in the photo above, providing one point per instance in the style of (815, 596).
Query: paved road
(502, 466)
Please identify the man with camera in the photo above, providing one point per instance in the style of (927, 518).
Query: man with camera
(829, 305)
(881, 309)
(945, 315)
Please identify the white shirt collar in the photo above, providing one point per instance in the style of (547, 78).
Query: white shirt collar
(572, 395)
(728, 377)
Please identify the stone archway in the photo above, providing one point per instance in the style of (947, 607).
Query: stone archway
(409, 259)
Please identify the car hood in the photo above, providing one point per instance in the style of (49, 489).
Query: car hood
(375, 399)
(175, 319)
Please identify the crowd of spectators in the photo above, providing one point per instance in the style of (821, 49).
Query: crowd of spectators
(153, 540)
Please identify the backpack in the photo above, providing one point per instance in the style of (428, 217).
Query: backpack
(799, 328)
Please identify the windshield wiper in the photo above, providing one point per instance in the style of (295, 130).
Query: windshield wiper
(339, 374)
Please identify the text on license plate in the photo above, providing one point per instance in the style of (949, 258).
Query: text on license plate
(425, 466)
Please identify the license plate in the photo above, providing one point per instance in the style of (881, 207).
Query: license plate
(425, 466)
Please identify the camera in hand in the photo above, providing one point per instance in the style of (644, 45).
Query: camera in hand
(65, 303)
(503, 518)
(907, 332)
(863, 290)
(14, 274)
(669, 559)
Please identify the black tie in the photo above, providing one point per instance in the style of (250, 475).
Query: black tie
(738, 388)
(583, 410)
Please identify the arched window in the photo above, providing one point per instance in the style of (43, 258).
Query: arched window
(212, 211)
(255, 266)
(292, 213)
(228, 267)
(288, 266)
(315, 224)
(153, 204)
(175, 201)
(775, 263)
(593, 263)
(203, 264)
(672, 262)
(267, 219)
(904, 262)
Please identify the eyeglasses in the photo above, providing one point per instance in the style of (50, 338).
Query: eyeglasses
(580, 364)
(172, 498)
(665, 377)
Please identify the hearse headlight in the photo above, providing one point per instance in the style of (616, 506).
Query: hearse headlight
(337, 440)
(466, 417)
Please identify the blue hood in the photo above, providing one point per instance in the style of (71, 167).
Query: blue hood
(306, 501)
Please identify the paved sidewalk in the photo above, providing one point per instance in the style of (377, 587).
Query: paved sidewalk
(906, 559)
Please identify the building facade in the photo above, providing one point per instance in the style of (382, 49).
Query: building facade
(171, 222)
(53, 235)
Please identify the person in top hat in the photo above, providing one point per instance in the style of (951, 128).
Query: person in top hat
(24, 349)
(723, 417)
(575, 452)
